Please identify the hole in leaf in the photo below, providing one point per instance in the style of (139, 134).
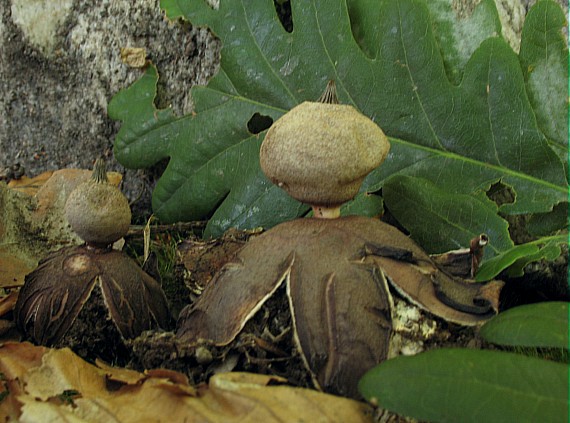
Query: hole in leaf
(283, 9)
(259, 123)
(501, 194)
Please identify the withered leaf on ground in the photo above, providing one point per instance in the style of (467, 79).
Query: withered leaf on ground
(29, 185)
(7, 324)
(15, 361)
(158, 396)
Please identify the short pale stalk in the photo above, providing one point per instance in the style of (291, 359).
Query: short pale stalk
(323, 212)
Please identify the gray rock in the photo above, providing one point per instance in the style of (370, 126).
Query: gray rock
(60, 65)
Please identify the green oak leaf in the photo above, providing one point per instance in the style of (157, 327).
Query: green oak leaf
(219, 172)
(533, 325)
(462, 385)
(461, 137)
(421, 205)
(460, 32)
(544, 61)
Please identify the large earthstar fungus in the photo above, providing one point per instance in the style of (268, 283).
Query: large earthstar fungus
(335, 269)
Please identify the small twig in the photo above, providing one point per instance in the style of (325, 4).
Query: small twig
(138, 230)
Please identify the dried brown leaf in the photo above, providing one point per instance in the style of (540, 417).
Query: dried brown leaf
(48, 412)
(29, 185)
(8, 302)
(161, 396)
(15, 360)
(119, 374)
(53, 194)
(61, 370)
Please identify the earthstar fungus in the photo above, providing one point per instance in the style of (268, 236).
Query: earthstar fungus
(70, 285)
(321, 152)
(335, 269)
(97, 211)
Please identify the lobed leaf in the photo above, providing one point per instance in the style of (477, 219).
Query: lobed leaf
(461, 385)
(544, 62)
(387, 62)
(421, 205)
(460, 32)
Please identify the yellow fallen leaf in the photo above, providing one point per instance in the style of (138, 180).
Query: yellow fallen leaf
(31, 186)
(52, 195)
(61, 370)
(261, 402)
(165, 396)
(15, 360)
(36, 411)
(28, 185)
(119, 374)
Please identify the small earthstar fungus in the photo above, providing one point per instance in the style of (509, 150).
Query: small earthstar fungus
(91, 297)
(335, 269)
